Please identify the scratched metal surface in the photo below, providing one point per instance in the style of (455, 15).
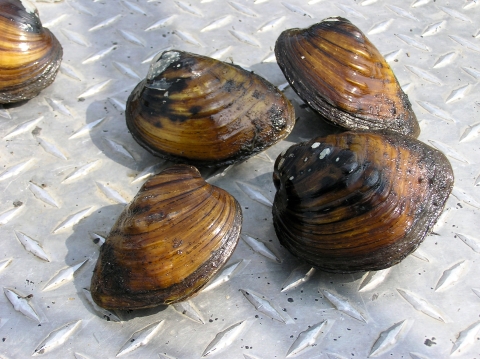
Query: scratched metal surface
(68, 166)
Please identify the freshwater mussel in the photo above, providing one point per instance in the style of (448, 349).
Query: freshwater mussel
(198, 110)
(30, 55)
(358, 201)
(334, 68)
(167, 243)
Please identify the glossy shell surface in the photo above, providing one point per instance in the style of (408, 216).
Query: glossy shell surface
(358, 201)
(201, 111)
(167, 243)
(335, 69)
(30, 55)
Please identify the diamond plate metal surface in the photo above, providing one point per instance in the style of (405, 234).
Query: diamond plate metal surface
(68, 166)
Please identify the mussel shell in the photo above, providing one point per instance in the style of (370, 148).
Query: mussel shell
(358, 201)
(168, 242)
(335, 69)
(198, 110)
(30, 55)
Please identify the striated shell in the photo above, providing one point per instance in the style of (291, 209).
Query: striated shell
(358, 201)
(168, 242)
(335, 69)
(30, 55)
(201, 111)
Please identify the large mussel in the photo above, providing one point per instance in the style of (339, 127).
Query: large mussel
(30, 55)
(201, 111)
(358, 201)
(339, 73)
(168, 242)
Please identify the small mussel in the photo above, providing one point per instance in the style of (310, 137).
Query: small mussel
(335, 69)
(198, 110)
(168, 242)
(358, 201)
(30, 55)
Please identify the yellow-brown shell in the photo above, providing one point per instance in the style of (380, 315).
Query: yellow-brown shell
(168, 242)
(198, 110)
(358, 201)
(335, 69)
(30, 55)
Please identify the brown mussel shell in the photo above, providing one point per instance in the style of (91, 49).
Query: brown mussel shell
(335, 69)
(358, 201)
(168, 242)
(30, 55)
(198, 110)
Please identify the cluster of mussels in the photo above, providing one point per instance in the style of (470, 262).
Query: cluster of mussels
(364, 199)
(354, 201)
(180, 230)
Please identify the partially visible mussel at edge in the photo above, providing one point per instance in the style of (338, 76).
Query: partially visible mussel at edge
(197, 110)
(174, 236)
(30, 55)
